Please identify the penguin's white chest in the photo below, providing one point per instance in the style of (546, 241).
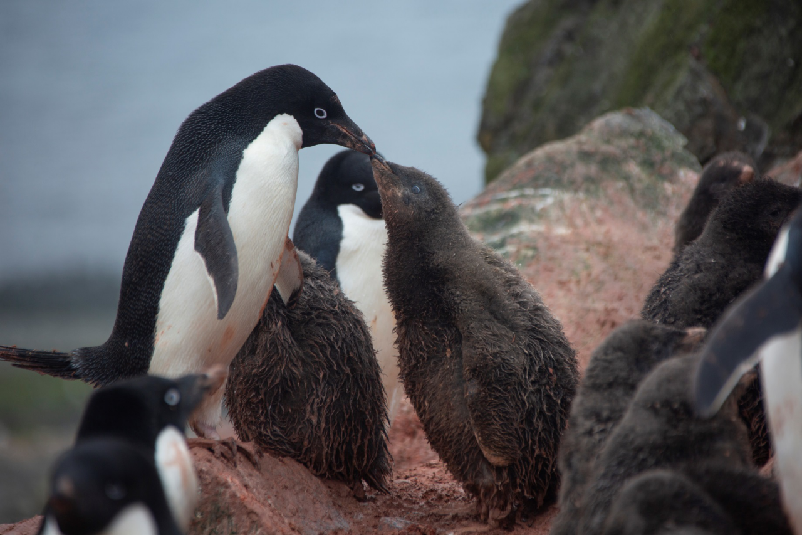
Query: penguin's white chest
(189, 337)
(359, 271)
(781, 369)
(177, 474)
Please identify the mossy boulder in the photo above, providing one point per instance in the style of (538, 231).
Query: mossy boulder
(726, 73)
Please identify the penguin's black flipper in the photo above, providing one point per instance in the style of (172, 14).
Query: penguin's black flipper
(53, 363)
(771, 308)
(214, 241)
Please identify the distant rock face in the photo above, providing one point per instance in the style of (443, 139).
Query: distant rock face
(726, 73)
(590, 220)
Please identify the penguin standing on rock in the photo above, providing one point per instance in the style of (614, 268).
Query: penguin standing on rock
(211, 236)
(486, 366)
(306, 385)
(720, 175)
(610, 380)
(341, 227)
(766, 325)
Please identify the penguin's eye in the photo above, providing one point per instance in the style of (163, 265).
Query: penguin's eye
(320, 113)
(358, 186)
(172, 397)
(115, 491)
(415, 189)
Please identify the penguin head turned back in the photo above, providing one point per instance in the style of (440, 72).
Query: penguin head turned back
(106, 486)
(139, 409)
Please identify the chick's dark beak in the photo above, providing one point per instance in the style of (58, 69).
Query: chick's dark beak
(349, 135)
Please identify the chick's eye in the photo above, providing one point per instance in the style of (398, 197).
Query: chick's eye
(357, 186)
(320, 113)
(172, 397)
(415, 189)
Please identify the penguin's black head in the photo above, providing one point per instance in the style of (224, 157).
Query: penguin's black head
(292, 90)
(724, 172)
(138, 409)
(347, 178)
(104, 482)
(412, 198)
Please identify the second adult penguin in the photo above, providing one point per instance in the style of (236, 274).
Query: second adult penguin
(485, 364)
(341, 227)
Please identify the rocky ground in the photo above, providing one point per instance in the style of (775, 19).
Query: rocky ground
(589, 221)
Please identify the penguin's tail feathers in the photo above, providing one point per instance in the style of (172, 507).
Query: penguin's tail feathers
(53, 363)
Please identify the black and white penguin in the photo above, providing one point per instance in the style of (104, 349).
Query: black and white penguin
(341, 227)
(151, 413)
(106, 486)
(720, 175)
(207, 247)
(765, 325)
(660, 431)
(610, 380)
(306, 385)
(486, 366)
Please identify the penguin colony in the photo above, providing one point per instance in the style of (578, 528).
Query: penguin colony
(485, 364)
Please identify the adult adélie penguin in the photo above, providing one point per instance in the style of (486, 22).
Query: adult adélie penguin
(765, 325)
(342, 228)
(211, 239)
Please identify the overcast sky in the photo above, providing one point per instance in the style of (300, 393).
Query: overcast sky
(93, 91)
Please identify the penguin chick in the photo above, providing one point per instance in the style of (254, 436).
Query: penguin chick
(106, 486)
(661, 431)
(765, 325)
(720, 175)
(611, 378)
(306, 385)
(341, 227)
(207, 246)
(486, 366)
(151, 412)
(666, 502)
(720, 265)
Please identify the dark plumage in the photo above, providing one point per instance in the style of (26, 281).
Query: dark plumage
(306, 384)
(726, 259)
(485, 364)
(611, 378)
(720, 175)
(720, 265)
(661, 431)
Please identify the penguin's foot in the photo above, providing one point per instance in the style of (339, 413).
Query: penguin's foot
(225, 449)
(359, 491)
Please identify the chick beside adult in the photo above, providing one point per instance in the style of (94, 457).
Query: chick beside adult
(306, 385)
(486, 366)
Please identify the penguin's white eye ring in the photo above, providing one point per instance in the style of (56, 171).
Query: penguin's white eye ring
(115, 491)
(357, 186)
(415, 189)
(172, 397)
(320, 113)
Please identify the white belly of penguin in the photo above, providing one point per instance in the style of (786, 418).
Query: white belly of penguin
(781, 370)
(359, 271)
(189, 337)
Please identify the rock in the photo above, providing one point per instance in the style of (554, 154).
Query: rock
(788, 172)
(589, 220)
(26, 527)
(727, 74)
